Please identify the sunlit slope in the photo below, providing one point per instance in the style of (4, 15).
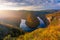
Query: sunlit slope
(52, 32)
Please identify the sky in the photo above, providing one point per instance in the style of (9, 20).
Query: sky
(29, 4)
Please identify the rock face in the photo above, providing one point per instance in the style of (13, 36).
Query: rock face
(9, 30)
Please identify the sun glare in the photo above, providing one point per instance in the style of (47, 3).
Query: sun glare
(1, 7)
(4, 7)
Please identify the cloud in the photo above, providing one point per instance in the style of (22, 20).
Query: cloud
(21, 8)
(30, 4)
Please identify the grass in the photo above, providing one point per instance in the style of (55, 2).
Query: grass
(42, 34)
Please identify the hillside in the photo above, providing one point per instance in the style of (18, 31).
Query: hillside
(52, 32)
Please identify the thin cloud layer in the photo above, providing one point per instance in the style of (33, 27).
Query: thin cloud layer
(30, 4)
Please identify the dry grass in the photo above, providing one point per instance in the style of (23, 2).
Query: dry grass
(52, 33)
